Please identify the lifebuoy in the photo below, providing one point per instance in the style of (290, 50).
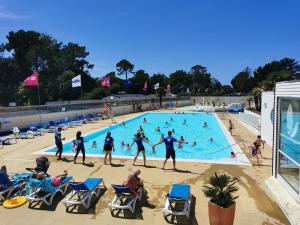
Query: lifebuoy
(14, 202)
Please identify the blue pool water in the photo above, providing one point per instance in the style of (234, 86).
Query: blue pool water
(191, 131)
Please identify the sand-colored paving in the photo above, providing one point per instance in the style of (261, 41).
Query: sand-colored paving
(254, 205)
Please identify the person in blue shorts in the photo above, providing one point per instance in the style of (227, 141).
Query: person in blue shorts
(139, 139)
(170, 152)
(58, 142)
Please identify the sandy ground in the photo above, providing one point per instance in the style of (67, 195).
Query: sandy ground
(254, 205)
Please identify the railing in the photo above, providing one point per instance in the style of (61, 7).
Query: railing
(250, 118)
(82, 105)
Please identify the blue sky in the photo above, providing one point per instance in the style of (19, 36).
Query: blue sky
(166, 35)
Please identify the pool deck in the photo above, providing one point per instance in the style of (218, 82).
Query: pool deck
(255, 204)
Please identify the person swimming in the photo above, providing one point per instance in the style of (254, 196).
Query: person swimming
(173, 131)
(123, 124)
(211, 139)
(74, 145)
(205, 124)
(94, 144)
(232, 155)
(122, 143)
(128, 147)
(171, 119)
(181, 140)
(157, 129)
(194, 143)
(166, 122)
(145, 120)
(184, 122)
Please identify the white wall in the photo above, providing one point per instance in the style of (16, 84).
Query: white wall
(267, 110)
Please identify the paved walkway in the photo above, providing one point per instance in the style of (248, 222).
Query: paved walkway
(254, 205)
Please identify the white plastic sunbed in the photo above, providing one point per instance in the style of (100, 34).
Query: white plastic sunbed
(124, 198)
(23, 135)
(82, 192)
(44, 191)
(178, 201)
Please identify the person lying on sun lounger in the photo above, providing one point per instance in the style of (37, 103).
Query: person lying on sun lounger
(134, 182)
(54, 180)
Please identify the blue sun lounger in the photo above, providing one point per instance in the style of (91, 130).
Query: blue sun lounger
(44, 191)
(124, 198)
(9, 186)
(82, 192)
(178, 201)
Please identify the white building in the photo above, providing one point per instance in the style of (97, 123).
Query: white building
(267, 116)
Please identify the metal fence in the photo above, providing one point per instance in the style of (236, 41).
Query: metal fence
(82, 105)
(251, 119)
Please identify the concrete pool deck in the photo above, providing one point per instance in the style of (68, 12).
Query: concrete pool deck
(254, 205)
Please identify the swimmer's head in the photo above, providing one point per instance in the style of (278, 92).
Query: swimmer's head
(169, 133)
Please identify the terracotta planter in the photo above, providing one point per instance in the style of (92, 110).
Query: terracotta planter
(219, 215)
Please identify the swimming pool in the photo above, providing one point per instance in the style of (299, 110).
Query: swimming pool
(204, 150)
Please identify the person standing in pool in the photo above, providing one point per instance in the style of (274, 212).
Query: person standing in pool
(80, 147)
(108, 147)
(58, 142)
(170, 152)
(139, 141)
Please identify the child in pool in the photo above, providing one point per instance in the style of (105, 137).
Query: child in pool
(94, 144)
(128, 148)
(74, 145)
(157, 129)
(122, 143)
(194, 144)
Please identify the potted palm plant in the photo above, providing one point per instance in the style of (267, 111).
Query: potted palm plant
(221, 207)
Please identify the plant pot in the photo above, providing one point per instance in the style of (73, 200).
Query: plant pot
(219, 215)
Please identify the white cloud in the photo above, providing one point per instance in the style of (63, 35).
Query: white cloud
(6, 14)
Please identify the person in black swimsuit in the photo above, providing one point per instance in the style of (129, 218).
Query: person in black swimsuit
(108, 147)
(80, 146)
(254, 148)
(139, 139)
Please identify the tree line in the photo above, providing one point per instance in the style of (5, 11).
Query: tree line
(57, 63)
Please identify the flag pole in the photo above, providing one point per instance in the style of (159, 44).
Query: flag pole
(39, 99)
(81, 97)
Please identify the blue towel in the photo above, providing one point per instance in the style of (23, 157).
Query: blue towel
(88, 185)
(21, 177)
(180, 191)
(45, 184)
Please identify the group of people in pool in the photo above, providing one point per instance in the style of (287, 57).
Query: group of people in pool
(139, 139)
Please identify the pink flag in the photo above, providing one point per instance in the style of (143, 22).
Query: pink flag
(32, 80)
(145, 86)
(105, 81)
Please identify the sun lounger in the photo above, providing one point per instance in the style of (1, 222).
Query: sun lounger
(8, 140)
(23, 135)
(124, 198)
(9, 186)
(178, 201)
(82, 192)
(76, 121)
(36, 131)
(44, 191)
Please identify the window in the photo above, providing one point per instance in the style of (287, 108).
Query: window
(289, 141)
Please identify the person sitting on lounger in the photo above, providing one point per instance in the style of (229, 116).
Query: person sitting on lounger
(54, 180)
(3, 171)
(134, 182)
